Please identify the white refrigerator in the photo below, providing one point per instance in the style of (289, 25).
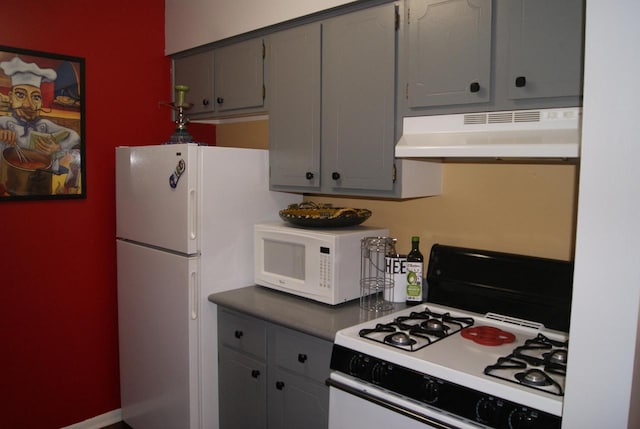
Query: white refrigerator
(184, 229)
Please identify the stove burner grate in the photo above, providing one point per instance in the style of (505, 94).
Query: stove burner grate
(540, 359)
(417, 330)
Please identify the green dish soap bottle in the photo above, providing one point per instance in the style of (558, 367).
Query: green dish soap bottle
(415, 265)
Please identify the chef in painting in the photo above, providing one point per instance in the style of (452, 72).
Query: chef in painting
(25, 127)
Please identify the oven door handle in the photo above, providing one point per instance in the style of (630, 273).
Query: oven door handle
(393, 407)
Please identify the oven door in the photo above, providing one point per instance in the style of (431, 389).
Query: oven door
(357, 405)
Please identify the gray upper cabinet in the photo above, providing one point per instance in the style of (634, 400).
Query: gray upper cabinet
(449, 42)
(196, 71)
(239, 76)
(458, 56)
(545, 48)
(331, 90)
(293, 60)
(358, 93)
(223, 81)
(331, 104)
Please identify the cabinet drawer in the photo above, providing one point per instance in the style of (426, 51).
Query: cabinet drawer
(302, 354)
(242, 333)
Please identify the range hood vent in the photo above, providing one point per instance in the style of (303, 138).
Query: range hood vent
(544, 133)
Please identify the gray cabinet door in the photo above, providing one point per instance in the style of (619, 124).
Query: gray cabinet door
(358, 91)
(449, 52)
(239, 76)
(242, 391)
(196, 71)
(545, 48)
(297, 402)
(294, 107)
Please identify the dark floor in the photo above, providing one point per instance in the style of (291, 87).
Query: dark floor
(121, 425)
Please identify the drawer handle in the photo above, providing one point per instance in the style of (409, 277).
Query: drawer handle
(255, 373)
(521, 81)
(279, 385)
(238, 334)
(474, 87)
(309, 175)
(302, 358)
(335, 175)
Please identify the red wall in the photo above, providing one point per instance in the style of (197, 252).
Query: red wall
(58, 317)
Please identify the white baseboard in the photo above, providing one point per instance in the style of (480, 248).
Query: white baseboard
(100, 421)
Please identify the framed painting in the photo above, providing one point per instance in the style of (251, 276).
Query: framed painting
(42, 147)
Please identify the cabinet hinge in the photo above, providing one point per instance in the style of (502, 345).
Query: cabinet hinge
(408, 15)
(264, 51)
(264, 92)
(394, 175)
(406, 91)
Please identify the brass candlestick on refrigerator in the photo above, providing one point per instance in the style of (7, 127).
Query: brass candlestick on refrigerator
(181, 135)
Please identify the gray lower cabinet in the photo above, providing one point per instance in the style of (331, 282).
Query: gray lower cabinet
(464, 55)
(243, 390)
(270, 376)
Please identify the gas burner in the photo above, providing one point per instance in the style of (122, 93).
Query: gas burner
(534, 377)
(434, 325)
(399, 339)
(558, 357)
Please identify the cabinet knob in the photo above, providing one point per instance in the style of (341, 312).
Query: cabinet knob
(521, 81)
(335, 175)
(205, 101)
(474, 87)
(220, 100)
(309, 175)
(238, 334)
(279, 385)
(255, 373)
(302, 358)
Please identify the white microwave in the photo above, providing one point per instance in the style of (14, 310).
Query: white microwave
(318, 264)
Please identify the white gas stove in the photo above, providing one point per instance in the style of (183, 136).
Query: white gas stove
(440, 366)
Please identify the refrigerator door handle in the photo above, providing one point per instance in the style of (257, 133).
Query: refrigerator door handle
(193, 286)
(193, 218)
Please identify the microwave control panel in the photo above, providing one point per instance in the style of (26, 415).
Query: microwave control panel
(325, 267)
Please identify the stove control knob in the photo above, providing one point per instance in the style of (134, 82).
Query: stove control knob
(380, 374)
(431, 391)
(522, 418)
(487, 411)
(357, 365)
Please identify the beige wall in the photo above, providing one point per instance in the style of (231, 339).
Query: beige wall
(245, 134)
(528, 209)
(518, 208)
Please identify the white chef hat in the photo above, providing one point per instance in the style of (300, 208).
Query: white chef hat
(22, 73)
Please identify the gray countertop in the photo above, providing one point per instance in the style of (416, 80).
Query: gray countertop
(309, 317)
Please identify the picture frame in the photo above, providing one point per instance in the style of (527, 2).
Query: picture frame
(42, 125)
